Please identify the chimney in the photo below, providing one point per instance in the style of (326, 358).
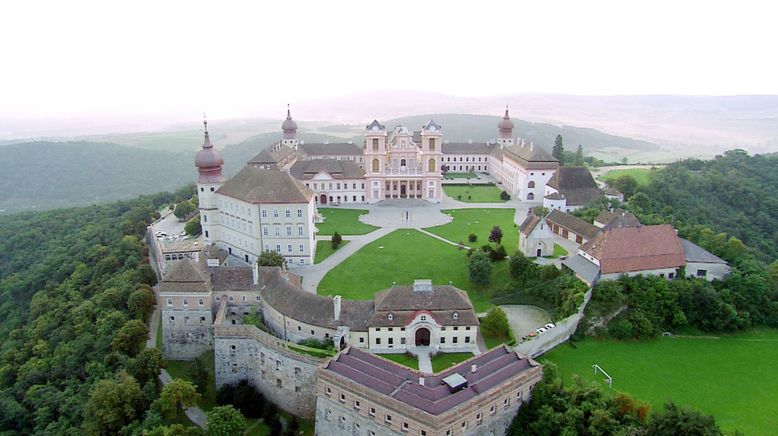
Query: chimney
(336, 307)
(421, 381)
(255, 273)
(473, 368)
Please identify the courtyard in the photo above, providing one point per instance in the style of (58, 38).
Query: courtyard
(343, 221)
(474, 193)
(480, 222)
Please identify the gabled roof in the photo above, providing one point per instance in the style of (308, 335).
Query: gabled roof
(333, 148)
(529, 224)
(432, 123)
(572, 223)
(256, 185)
(696, 254)
(294, 302)
(617, 218)
(388, 379)
(576, 185)
(273, 154)
(442, 302)
(629, 249)
(529, 153)
(375, 123)
(337, 169)
(186, 276)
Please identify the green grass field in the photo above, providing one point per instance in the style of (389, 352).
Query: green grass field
(641, 175)
(480, 222)
(474, 194)
(183, 370)
(343, 221)
(402, 256)
(442, 361)
(452, 176)
(559, 251)
(324, 250)
(402, 359)
(733, 377)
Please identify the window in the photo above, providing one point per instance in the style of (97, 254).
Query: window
(342, 398)
(405, 426)
(671, 275)
(256, 298)
(390, 317)
(278, 230)
(244, 299)
(375, 144)
(169, 302)
(391, 341)
(431, 166)
(356, 404)
(531, 184)
(455, 339)
(288, 230)
(389, 419)
(530, 196)
(402, 341)
(278, 248)
(467, 339)
(424, 317)
(299, 230)
(432, 143)
(312, 332)
(700, 273)
(492, 410)
(302, 248)
(372, 411)
(376, 165)
(299, 213)
(275, 213)
(442, 340)
(361, 340)
(288, 213)
(378, 341)
(456, 316)
(279, 383)
(264, 213)
(328, 390)
(186, 302)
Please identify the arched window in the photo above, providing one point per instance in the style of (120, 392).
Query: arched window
(390, 317)
(431, 166)
(402, 162)
(530, 196)
(375, 165)
(456, 316)
(531, 184)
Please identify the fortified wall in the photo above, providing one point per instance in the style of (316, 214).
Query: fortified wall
(284, 376)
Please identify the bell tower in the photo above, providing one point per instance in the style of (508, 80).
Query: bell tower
(209, 163)
(289, 127)
(505, 126)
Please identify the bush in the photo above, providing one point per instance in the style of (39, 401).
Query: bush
(495, 235)
(498, 253)
(247, 399)
(193, 226)
(271, 258)
(472, 237)
(496, 323)
(479, 268)
(505, 196)
(336, 240)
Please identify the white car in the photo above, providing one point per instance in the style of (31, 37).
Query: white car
(550, 325)
(160, 234)
(541, 330)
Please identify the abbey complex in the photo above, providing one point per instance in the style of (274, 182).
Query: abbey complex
(255, 318)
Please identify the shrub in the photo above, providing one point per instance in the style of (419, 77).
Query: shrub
(498, 253)
(505, 196)
(496, 322)
(495, 235)
(479, 268)
(271, 258)
(472, 237)
(336, 240)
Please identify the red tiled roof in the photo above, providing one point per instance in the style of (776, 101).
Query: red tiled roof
(626, 249)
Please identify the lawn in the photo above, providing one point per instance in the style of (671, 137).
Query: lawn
(460, 176)
(442, 361)
(641, 175)
(343, 221)
(324, 250)
(480, 222)
(184, 370)
(733, 377)
(559, 251)
(402, 256)
(474, 193)
(402, 359)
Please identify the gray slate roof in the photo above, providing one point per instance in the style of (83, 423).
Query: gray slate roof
(583, 268)
(695, 253)
(338, 169)
(271, 155)
(403, 303)
(468, 148)
(186, 275)
(255, 185)
(335, 148)
(576, 185)
(285, 297)
(572, 223)
(530, 153)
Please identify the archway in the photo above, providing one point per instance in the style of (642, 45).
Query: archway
(530, 196)
(540, 252)
(422, 337)
(342, 342)
(323, 199)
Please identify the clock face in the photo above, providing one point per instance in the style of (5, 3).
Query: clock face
(375, 128)
(432, 128)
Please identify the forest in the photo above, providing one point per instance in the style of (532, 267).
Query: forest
(75, 291)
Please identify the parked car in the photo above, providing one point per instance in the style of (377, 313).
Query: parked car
(541, 330)
(160, 234)
(550, 325)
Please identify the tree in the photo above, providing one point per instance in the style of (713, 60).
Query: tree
(113, 404)
(505, 196)
(495, 235)
(675, 420)
(480, 268)
(193, 226)
(271, 258)
(772, 270)
(626, 184)
(540, 211)
(579, 156)
(472, 237)
(498, 253)
(336, 240)
(640, 200)
(141, 302)
(224, 421)
(183, 209)
(146, 365)
(559, 150)
(496, 322)
(178, 395)
(130, 337)
(521, 267)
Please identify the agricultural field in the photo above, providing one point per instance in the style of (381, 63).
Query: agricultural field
(405, 255)
(732, 377)
(343, 221)
(641, 175)
(474, 193)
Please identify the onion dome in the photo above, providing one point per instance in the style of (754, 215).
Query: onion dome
(208, 161)
(289, 126)
(506, 126)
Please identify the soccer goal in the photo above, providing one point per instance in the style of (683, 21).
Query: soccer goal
(608, 378)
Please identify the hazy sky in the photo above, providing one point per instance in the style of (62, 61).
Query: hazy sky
(234, 58)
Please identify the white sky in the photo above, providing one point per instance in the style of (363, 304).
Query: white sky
(233, 58)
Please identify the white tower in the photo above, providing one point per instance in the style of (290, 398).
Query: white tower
(290, 131)
(505, 138)
(209, 164)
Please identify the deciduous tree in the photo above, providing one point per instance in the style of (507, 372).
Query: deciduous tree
(177, 396)
(224, 421)
(480, 268)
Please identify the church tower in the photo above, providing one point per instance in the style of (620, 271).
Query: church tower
(290, 131)
(209, 164)
(505, 137)
(431, 147)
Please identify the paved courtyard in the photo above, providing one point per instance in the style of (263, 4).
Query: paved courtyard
(525, 319)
